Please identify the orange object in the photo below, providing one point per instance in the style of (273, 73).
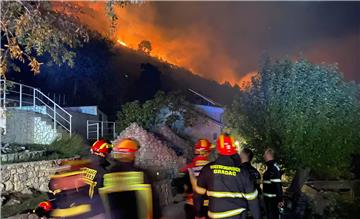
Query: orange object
(126, 145)
(202, 145)
(100, 148)
(225, 145)
(67, 181)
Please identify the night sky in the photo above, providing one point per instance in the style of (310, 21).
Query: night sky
(225, 40)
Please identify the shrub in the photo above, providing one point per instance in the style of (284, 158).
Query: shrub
(68, 147)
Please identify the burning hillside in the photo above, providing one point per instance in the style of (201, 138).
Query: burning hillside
(193, 49)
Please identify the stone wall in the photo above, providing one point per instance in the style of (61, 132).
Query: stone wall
(204, 128)
(154, 154)
(22, 177)
(21, 156)
(26, 127)
(157, 157)
(186, 147)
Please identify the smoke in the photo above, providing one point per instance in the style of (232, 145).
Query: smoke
(192, 48)
(223, 41)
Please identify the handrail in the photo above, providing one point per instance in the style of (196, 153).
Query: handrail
(13, 82)
(53, 102)
(56, 111)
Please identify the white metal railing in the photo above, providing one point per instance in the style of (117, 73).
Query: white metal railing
(23, 97)
(97, 129)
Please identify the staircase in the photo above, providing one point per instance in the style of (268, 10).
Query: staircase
(31, 108)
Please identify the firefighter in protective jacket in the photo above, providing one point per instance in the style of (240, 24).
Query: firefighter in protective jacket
(202, 150)
(73, 189)
(272, 189)
(227, 184)
(127, 191)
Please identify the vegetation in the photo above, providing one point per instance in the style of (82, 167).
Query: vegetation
(162, 109)
(67, 147)
(26, 204)
(32, 29)
(342, 206)
(307, 112)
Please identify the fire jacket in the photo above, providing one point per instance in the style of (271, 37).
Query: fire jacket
(74, 193)
(196, 165)
(272, 181)
(254, 175)
(128, 192)
(229, 188)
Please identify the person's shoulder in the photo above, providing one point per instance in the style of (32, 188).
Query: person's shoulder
(275, 167)
(209, 164)
(207, 167)
(252, 169)
(244, 170)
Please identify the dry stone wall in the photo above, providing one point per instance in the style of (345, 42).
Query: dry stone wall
(21, 156)
(186, 147)
(156, 157)
(22, 177)
(153, 155)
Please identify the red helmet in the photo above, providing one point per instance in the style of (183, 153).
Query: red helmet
(46, 205)
(202, 145)
(225, 145)
(101, 148)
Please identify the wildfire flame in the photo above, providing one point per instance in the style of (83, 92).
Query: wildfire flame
(137, 23)
(122, 43)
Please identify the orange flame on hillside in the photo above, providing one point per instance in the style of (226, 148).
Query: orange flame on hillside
(190, 50)
(122, 43)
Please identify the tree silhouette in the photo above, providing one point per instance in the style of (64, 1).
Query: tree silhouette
(145, 46)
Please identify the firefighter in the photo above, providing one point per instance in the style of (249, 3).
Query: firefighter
(73, 190)
(227, 185)
(246, 157)
(202, 150)
(100, 151)
(127, 192)
(272, 189)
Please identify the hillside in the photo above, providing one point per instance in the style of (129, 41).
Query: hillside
(108, 76)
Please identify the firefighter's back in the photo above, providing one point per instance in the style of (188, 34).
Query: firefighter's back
(224, 184)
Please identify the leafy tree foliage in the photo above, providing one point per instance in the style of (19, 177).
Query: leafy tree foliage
(307, 112)
(30, 29)
(110, 9)
(162, 109)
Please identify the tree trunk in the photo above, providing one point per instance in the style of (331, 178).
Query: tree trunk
(299, 180)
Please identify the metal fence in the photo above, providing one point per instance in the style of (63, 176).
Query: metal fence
(100, 129)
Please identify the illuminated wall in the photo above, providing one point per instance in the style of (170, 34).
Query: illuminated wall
(26, 127)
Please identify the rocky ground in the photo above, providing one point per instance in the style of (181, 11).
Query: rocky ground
(173, 211)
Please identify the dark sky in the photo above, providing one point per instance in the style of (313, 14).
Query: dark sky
(320, 31)
(225, 41)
